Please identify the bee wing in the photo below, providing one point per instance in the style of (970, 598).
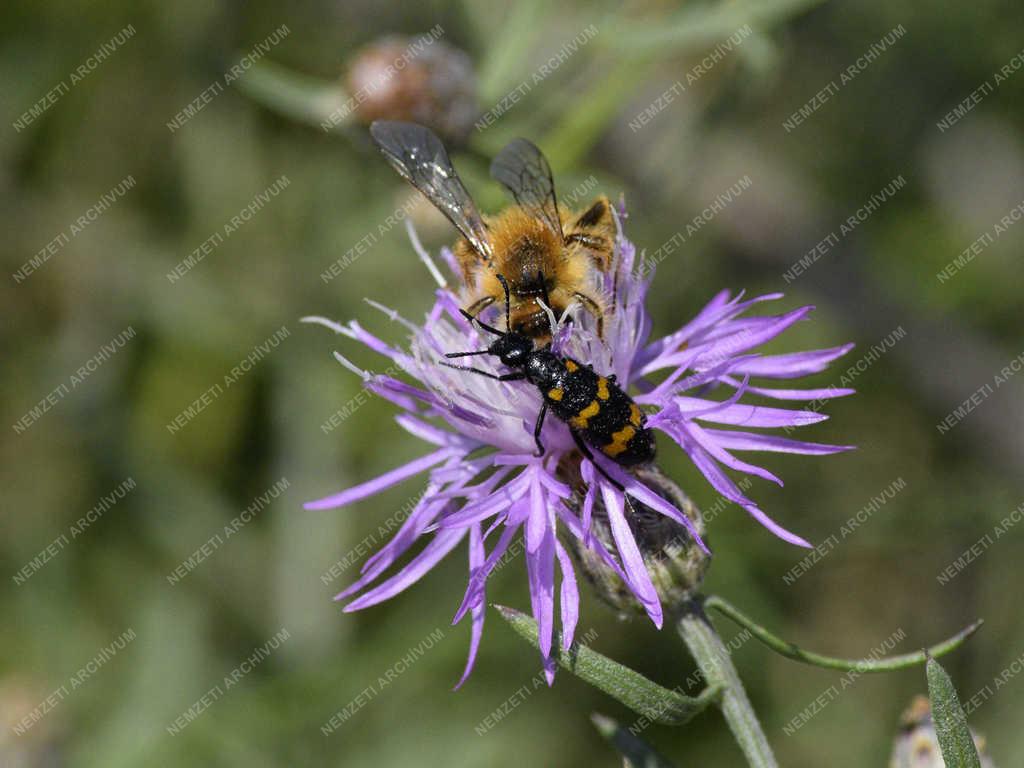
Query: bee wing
(522, 168)
(420, 158)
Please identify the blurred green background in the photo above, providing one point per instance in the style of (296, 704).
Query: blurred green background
(110, 279)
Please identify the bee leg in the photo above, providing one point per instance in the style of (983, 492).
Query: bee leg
(479, 305)
(544, 289)
(537, 428)
(594, 309)
(585, 450)
(588, 241)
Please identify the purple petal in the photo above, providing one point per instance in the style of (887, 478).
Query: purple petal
(477, 511)
(422, 515)
(392, 314)
(431, 504)
(735, 343)
(556, 487)
(713, 321)
(736, 327)
(573, 524)
(646, 496)
(637, 578)
(441, 545)
(454, 476)
(775, 528)
(430, 433)
(671, 410)
(679, 359)
(587, 471)
(709, 444)
(696, 379)
(540, 568)
(714, 474)
(725, 486)
(700, 320)
(794, 364)
(476, 561)
(825, 393)
(394, 390)
(477, 584)
(357, 332)
(451, 261)
(754, 441)
(378, 484)
(748, 415)
(477, 581)
(460, 490)
(537, 522)
(569, 599)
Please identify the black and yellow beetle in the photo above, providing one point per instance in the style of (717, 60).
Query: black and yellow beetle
(596, 409)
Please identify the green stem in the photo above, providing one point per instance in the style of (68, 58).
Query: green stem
(716, 666)
(658, 704)
(791, 651)
(503, 57)
(309, 100)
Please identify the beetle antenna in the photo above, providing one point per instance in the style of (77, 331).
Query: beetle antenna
(481, 323)
(467, 354)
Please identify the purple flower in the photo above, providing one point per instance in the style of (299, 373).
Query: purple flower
(485, 483)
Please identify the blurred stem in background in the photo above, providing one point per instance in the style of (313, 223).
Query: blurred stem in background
(305, 99)
(623, 54)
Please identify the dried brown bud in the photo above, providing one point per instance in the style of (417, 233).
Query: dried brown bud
(417, 79)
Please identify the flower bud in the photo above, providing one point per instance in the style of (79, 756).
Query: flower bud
(26, 739)
(674, 562)
(419, 80)
(916, 745)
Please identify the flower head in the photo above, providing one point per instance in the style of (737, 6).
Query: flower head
(486, 485)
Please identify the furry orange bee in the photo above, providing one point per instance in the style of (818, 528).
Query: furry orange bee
(545, 253)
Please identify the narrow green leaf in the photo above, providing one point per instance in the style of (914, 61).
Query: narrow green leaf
(636, 753)
(950, 721)
(585, 120)
(658, 704)
(795, 652)
(699, 25)
(503, 58)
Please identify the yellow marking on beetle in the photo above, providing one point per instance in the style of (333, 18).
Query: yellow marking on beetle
(555, 394)
(580, 419)
(635, 417)
(602, 388)
(571, 366)
(620, 441)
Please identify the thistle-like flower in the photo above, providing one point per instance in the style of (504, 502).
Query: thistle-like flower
(486, 484)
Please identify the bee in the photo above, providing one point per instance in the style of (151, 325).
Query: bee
(538, 247)
(597, 410)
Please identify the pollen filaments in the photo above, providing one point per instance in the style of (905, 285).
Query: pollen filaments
(673, 560)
